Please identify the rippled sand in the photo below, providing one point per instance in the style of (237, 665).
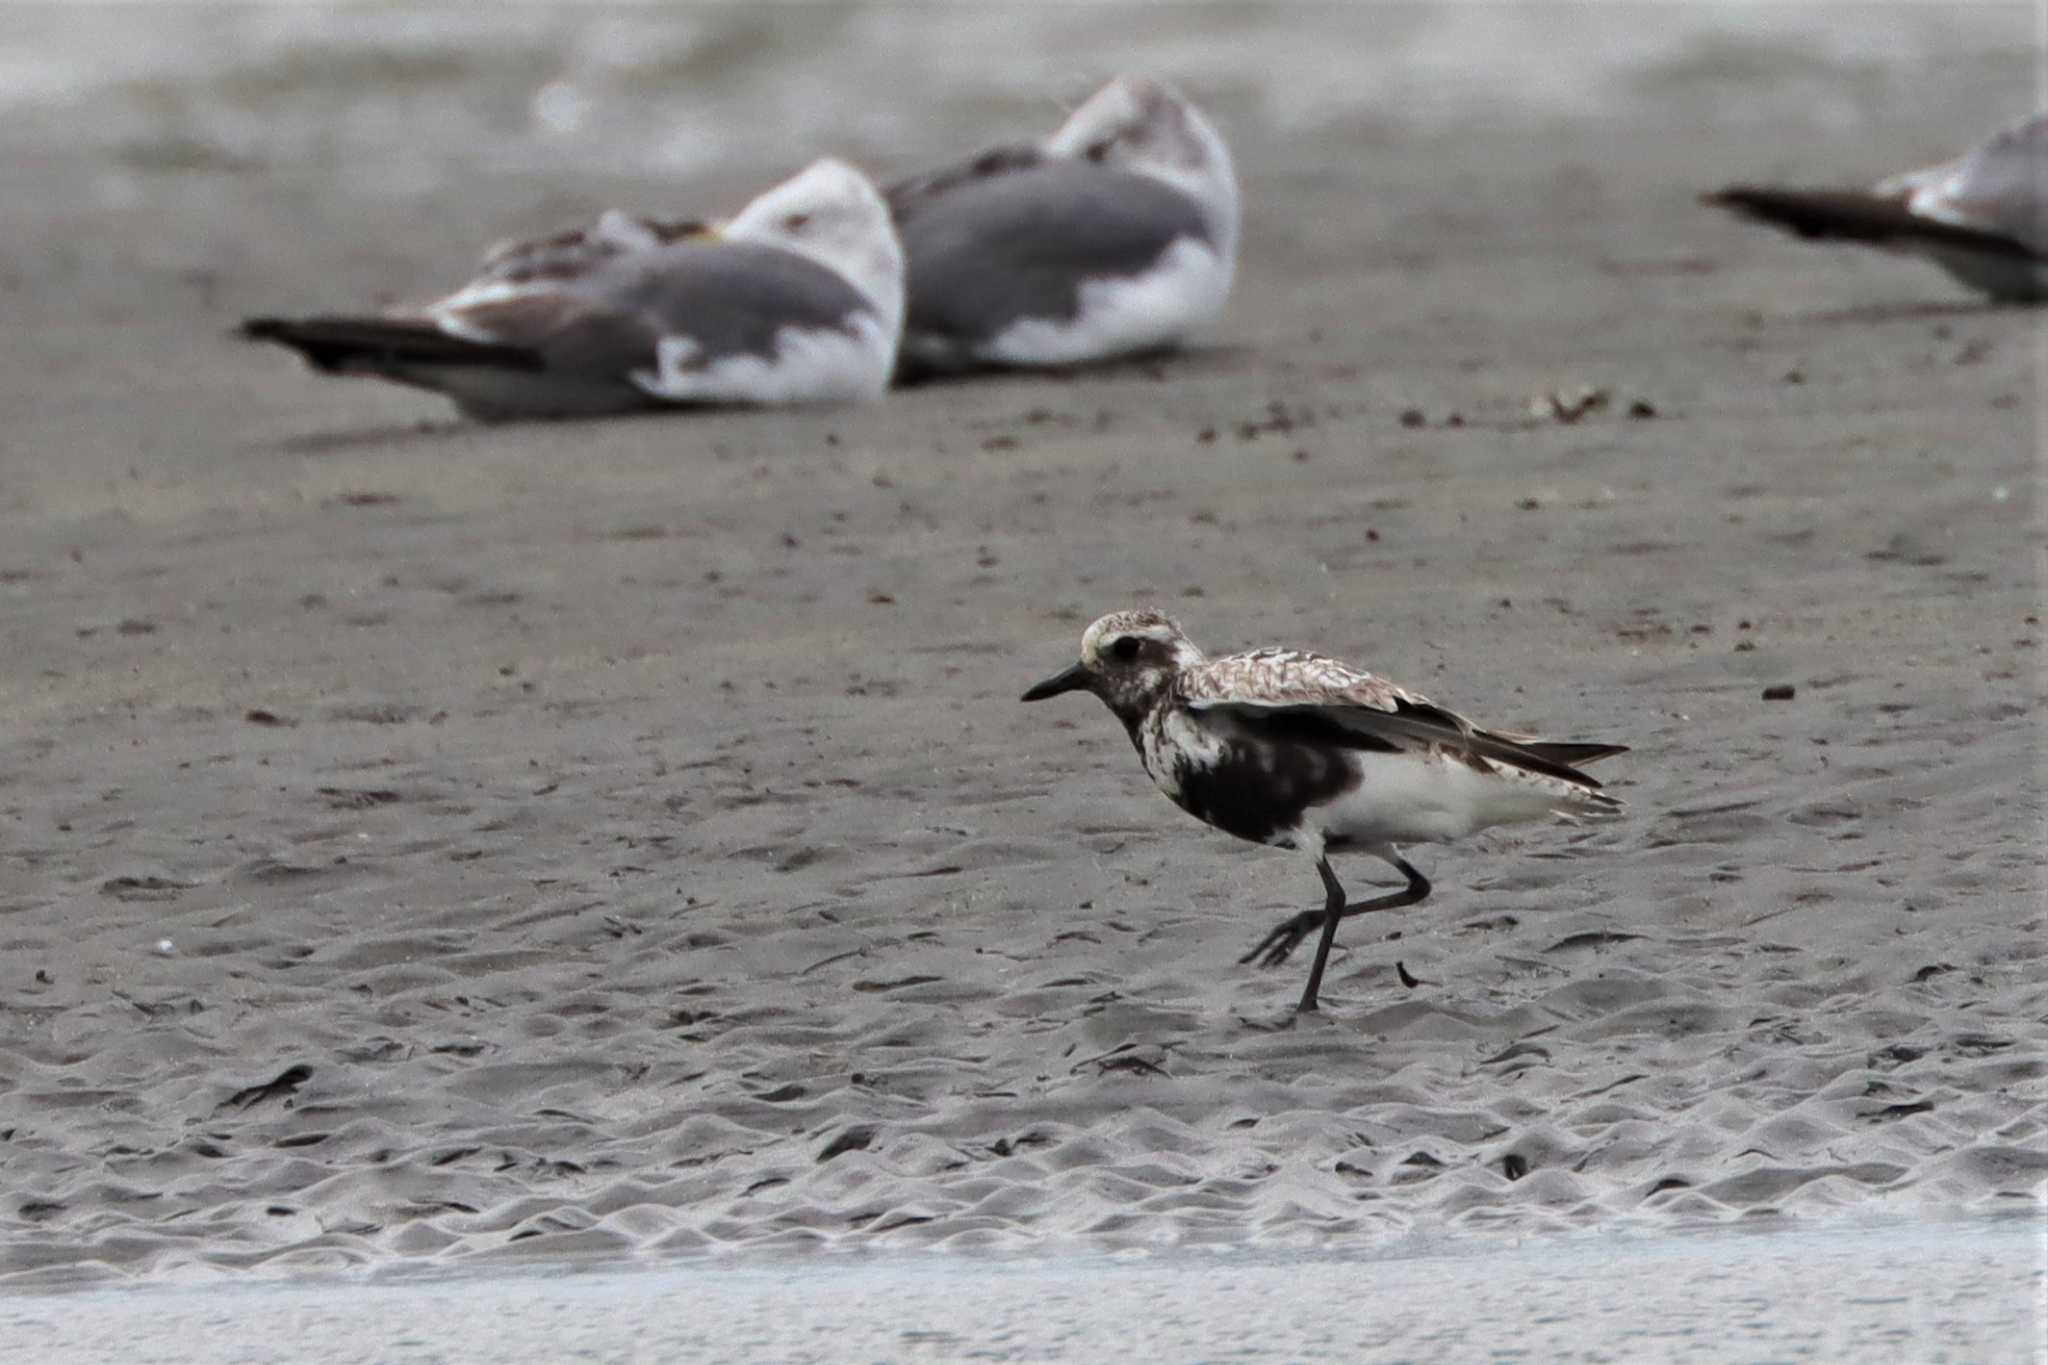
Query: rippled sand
(429, 844)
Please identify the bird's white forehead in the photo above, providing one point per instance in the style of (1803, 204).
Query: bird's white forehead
(1151, 624)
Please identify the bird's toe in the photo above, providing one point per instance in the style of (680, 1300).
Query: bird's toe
(1274, 948)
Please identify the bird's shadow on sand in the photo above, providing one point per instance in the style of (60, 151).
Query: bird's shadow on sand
(397, 433)
(454, 427)
(1907, 312)
(1161, 365)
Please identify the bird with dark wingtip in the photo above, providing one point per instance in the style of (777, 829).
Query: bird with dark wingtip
(1300, 751)
(796, 299)
(1982, 217)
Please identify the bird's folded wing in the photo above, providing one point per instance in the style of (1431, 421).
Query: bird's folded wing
(708, 298)
(1026, 244)
(588, 287)
(912, 194)
(567, 332)
(1287, 693)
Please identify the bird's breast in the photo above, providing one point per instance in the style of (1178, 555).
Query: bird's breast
(1245, 786)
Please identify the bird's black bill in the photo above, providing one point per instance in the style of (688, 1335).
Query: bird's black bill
(1073, 678)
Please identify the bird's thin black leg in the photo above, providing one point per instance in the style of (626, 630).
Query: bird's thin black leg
(1333, 910)
(1274, 948)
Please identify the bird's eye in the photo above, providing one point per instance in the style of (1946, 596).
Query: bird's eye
(1097, 151)
(797, 222)
(1125, 648)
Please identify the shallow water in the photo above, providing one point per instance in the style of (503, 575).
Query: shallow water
(1906, 1291)
(402, 94)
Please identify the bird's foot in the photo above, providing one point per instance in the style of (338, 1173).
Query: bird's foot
(1272, 950)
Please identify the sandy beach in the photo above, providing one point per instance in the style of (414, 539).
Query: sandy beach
(433, 845)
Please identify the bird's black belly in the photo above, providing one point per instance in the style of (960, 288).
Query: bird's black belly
(1258, 790)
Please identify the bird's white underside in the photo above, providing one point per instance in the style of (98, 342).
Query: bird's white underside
(1184, 290)
(809, 365)
(1422, 796)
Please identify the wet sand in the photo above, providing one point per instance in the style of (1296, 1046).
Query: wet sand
(431, 844)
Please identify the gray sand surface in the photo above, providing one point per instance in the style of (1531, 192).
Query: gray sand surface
(622, 839)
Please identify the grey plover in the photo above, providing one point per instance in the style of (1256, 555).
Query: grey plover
(1298, 750)
(798, 298)
(1982, 217)
(1114, 236)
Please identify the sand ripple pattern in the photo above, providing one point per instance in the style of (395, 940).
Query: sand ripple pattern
(736, 1037)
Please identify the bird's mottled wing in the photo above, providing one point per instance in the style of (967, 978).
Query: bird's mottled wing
(568, 255)
(1277, 692)
(1290, 677)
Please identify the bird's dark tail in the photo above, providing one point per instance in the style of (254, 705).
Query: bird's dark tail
(1854, 216)
(343, 345)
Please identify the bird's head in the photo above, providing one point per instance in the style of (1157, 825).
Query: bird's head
(833, 214)
(1145, 126)
(1129, 659)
